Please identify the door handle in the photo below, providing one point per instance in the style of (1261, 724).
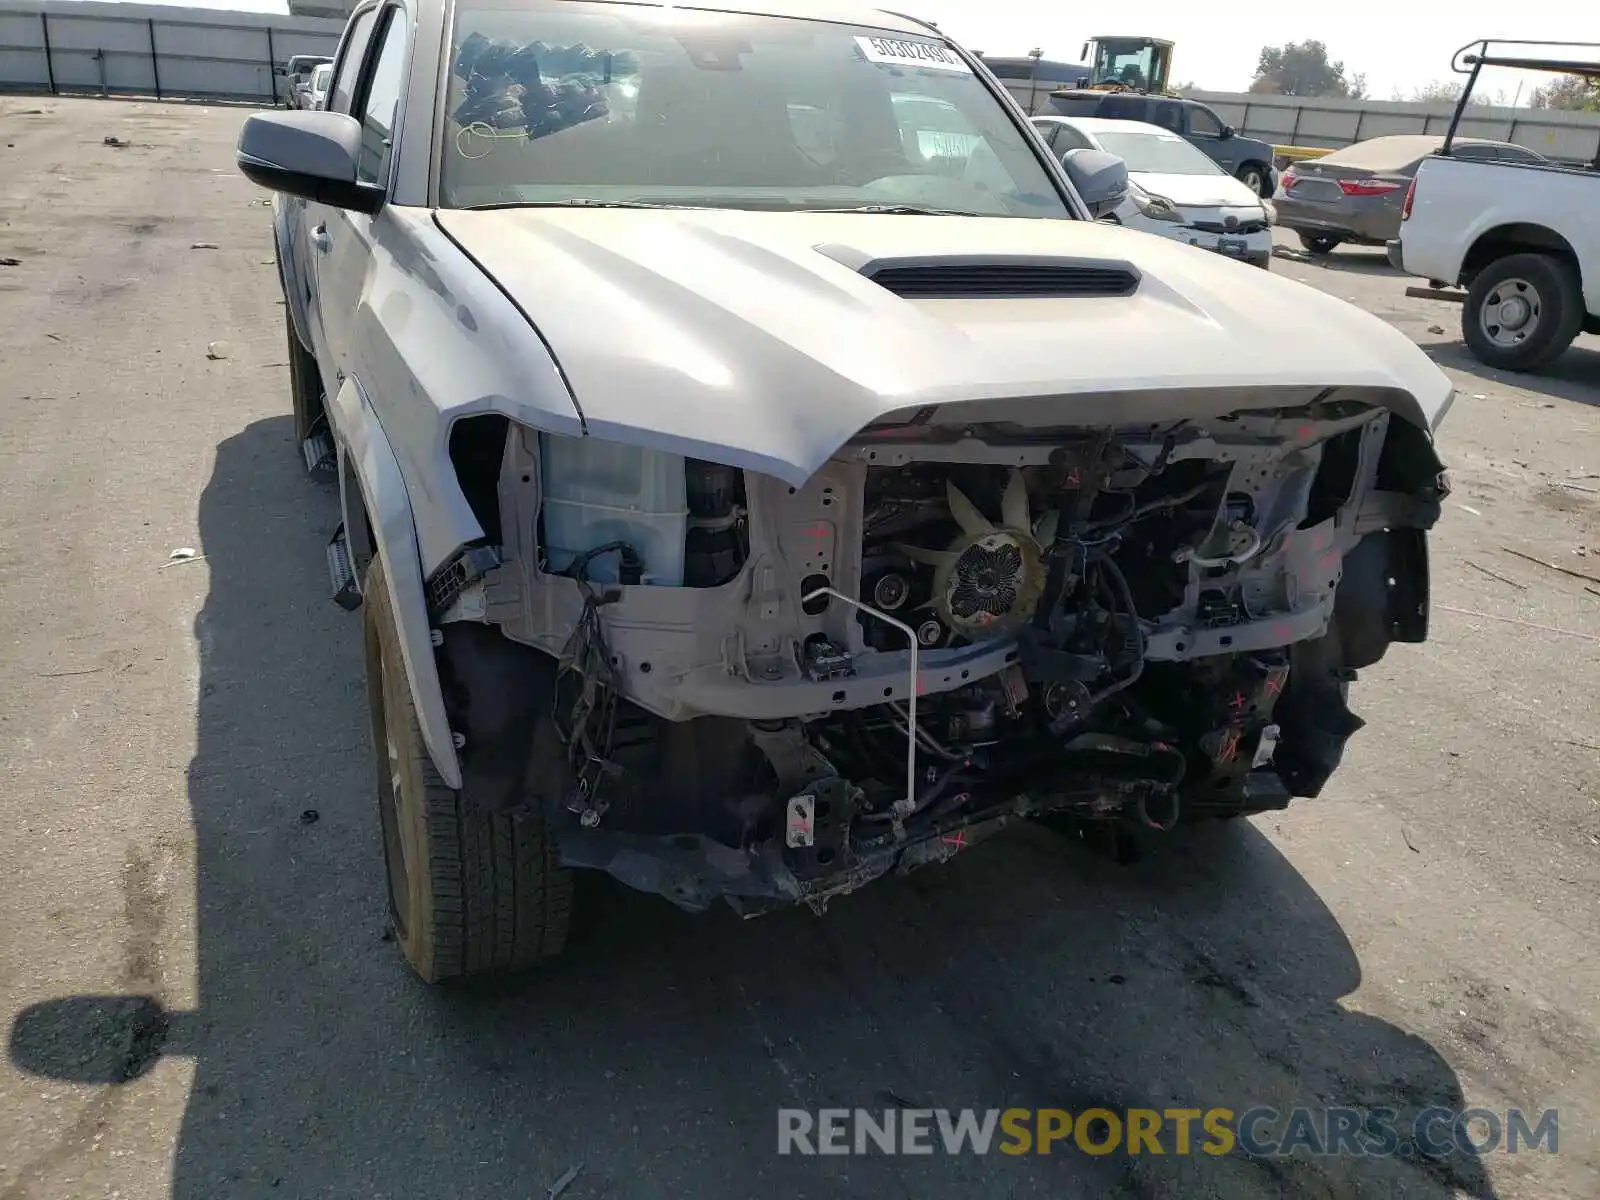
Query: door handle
(320, 239)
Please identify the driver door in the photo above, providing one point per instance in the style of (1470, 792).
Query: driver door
(1204, 130)
(338, 242)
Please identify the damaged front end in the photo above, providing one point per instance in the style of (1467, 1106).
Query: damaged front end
(778, 694)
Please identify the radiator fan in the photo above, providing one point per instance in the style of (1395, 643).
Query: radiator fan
(988, 582)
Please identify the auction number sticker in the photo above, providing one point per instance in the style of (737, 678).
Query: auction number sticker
(908, 52)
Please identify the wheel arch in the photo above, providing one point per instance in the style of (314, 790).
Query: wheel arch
(1516, 237)
(294, 291)
(379, 522)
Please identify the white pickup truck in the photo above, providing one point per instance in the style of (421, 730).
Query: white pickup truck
(1522, 238)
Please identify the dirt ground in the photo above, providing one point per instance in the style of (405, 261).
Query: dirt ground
(188, 809)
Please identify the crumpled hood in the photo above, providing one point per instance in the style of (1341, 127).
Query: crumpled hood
(751, 338)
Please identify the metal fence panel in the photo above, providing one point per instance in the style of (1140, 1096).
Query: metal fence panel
(133, 49)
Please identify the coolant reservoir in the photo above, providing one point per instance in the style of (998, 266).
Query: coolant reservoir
(597, 492)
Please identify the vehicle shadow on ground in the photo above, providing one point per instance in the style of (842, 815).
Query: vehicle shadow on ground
(1574, 376)
(653, 1058)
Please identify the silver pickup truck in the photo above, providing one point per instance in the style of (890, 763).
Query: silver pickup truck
(748, 496)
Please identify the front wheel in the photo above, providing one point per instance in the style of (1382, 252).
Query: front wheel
(471, 892)
(1254, 177)
(1522, 311)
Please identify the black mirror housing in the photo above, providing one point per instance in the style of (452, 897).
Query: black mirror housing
(1100, 179)
(307, 154)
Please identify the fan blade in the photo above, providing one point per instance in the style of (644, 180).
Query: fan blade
(973, 523)
(1014, 504)
(933, 558)
(1046, 533)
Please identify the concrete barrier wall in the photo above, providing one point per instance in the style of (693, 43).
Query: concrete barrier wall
(1329, 123)
(74, 46)
(1319, 121)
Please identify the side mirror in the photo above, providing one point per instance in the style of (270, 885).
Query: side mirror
(310, 154)
(1227, 132)
(1101, 179)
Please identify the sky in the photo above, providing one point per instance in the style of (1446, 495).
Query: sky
(1399, 44)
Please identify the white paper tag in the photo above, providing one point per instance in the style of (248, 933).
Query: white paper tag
(909, 52)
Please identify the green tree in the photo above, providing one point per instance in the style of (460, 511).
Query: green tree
(1572, 93)
(1304, 69)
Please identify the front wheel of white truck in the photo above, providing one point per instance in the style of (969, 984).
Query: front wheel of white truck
(471, 892)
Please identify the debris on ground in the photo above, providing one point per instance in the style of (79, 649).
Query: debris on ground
(55, 337)
(564, 1182)
(119, 143)
(1406, 833)
(310, 817)
(217, 350)
(1577, 487)
(10, 262)
(1472, 612)
(1493, 575)
(1435, 328)
(183, 554)
(1470, 509)
(202, 246)
(1552, 566)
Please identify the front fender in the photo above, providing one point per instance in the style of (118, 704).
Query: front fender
(366, 457)
(288, 214)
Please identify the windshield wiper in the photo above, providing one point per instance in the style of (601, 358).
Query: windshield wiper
(575, 202)
(905, 210)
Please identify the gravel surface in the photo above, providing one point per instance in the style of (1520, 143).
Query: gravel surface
(199, 997)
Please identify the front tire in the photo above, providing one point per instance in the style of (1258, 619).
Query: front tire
(1522, 311)
(471, 892)
(1254, 177)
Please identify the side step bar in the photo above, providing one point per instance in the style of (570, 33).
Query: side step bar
(318, 453)
(342, 572)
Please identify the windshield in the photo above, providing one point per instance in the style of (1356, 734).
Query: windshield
(560, 103)
(1132, 62)
(1157, 153)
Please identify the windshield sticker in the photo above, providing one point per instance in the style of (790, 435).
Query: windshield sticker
(907, 52)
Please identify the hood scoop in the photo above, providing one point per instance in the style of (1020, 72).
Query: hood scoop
(968, 278)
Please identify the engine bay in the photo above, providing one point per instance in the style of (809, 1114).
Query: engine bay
(945, 631)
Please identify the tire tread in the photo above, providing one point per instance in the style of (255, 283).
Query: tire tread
(497, 898)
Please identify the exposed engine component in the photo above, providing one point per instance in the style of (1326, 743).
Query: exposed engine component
(717, 541)
(888, 590)
(989, 579)
(1131, 627)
